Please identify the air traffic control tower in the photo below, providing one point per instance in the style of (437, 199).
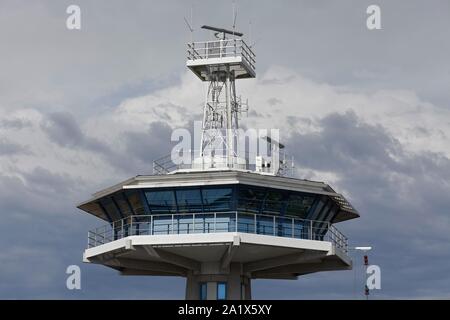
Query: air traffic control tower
(222, 218)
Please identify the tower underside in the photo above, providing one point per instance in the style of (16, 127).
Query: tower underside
(209, 260)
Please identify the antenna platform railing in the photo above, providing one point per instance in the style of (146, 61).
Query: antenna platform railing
(221, 49)
(191, 160)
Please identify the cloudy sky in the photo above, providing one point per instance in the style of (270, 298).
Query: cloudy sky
(366, 111)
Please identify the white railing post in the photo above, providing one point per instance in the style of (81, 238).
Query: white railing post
(329, 231)
(131, 226)
(215, 221)
(310, 230)
(193, 223)
(256, 231)
(151, 225)
(236, 224)
(293, 226)
(172, 225)
(273, 225)
(340, 239)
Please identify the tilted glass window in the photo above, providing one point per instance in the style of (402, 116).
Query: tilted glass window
(111, 209)
(250, 199)
(273, 202)
(162, 201)
(299, 205)
(212, 199)
(217, 199)
(189, 200)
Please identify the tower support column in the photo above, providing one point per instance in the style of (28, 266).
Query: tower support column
(211, 283)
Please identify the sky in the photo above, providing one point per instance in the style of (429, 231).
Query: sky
(367, 111)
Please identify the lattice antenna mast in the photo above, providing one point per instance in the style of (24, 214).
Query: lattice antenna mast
(220, 63)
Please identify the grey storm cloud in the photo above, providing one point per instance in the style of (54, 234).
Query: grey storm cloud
(63, 129)
(374, 166)
(43, 179)
(8, 148)
(14, 123)
(149, 145)
(37, 187)
(402, 198)
(342, 141)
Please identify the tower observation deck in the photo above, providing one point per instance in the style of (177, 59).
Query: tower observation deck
(221, 217)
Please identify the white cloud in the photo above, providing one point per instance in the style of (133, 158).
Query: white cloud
(418, 125)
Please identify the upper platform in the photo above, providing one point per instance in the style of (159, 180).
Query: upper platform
(207, 56)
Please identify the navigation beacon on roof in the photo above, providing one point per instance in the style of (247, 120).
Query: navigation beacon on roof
(222, 219)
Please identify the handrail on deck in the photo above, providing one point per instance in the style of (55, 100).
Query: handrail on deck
(212, 222)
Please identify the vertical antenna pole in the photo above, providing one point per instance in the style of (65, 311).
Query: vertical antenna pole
(229, 120)
(234, 18)
(192, 23)
(250, 32)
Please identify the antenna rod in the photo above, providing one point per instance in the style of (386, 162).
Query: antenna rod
(234, 15)
(189, 25)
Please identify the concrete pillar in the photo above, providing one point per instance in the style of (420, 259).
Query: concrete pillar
(234, 282)
(192, 287)
(248, 290)
(211, 290)
(238, 285)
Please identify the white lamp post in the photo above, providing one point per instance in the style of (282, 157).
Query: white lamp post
(363, 249)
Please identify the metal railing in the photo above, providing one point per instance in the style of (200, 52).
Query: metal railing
(221, 49)
(234, 221)
(191, 159)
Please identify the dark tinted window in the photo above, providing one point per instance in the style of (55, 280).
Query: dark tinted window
(217, 199)
(299, 205)
(274, 201)
(189, 200)
(250, 199)
(161, 201)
